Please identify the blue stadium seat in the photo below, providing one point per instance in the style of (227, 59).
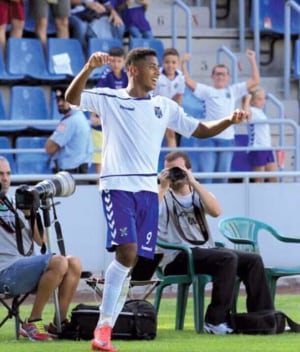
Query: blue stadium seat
(32, 162)
(271, 17)
(33, 63)
(28, 103)
(4, 75)
(70, 54)
(97, 44)
(6, 144)
(296, 63)
(192, 105)
(54, 113)
(240, 160)
(3, 115)
(155, 44)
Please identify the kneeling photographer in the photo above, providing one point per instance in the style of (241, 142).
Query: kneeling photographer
(184, 203)
(31, 272)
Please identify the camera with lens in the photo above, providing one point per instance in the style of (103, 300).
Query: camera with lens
(176, 173)
(61, 185)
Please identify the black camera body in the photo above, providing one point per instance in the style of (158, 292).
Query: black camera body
(176, 173)
(27, 198)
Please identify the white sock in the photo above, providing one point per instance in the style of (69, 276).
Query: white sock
(115, 276)
(121, 301)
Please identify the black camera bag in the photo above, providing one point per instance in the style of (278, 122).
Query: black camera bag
(137, 321)
(265, 322)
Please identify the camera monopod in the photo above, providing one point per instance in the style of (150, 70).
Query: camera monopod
(46, 206)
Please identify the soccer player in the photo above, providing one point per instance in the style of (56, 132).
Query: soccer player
(133, 124)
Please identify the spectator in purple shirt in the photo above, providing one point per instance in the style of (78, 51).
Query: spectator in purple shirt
(114, 76)
(133, 14)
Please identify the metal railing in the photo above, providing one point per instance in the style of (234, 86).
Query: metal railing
(234, 61)
(188, 14)
(289, 5)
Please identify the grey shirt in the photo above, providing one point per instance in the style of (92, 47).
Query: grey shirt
(9, 253)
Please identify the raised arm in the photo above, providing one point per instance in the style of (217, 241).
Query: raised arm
(208, 129)
(78, 84)
(188, 81)
(255, 79)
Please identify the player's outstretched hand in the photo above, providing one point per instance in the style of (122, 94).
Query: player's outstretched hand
(239, 116)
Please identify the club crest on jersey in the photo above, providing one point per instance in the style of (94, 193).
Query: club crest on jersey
(158, 112)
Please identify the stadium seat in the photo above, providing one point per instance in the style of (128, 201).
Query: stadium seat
(32, 162)
(33, 64)
(28, 103)
(6, 144)
(240, 161)
(4, 75)
(64, 56)
(3, 116)
(192, 105)
(155, 44)
(296, 63)
(97, 44)
(271, 17)
(54, 113)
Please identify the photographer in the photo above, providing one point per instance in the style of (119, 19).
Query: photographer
(40, 274)
(70, 145)
(184, 202)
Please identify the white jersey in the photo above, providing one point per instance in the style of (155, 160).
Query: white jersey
(259, 134)
(170, 87)
(133, 130)
(220, 103)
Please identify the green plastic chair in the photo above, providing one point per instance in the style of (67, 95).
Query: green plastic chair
(183, 282)
(243, 232)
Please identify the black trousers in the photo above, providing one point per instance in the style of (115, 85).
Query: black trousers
(224, 265)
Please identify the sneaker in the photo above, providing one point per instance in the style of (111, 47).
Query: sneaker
(220, 329)
(35, 331)
(101, 341)
(68, 331)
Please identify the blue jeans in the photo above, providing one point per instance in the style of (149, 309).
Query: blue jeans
(213, 161)
(99, 28)
(24, 275)
(137, 33)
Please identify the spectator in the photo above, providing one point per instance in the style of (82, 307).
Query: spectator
(39, 10)
(70, 146)
(188, 197)
(95, 19)
(133, 13)
(219, 101)
(114, 77)
(259, 135)
(171, 84)
(11, 12)
(40, 274)
(134, 123)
